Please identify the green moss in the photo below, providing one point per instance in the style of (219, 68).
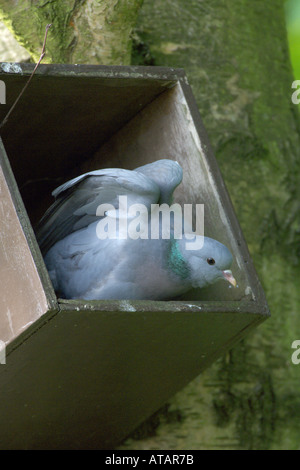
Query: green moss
(98, 32)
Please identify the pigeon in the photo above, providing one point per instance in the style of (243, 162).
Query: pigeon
(84, 238)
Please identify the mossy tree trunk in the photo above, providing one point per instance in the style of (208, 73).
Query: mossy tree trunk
(83, 31)
(235, 54)
(236, 57)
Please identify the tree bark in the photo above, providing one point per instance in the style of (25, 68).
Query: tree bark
(235, 54)
(83, 31)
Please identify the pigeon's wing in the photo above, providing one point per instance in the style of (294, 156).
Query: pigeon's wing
(77, 201)
(167, 174)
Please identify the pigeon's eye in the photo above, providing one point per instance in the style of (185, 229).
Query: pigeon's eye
(210, 261)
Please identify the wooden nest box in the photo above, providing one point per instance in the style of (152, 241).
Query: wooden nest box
(84, 374)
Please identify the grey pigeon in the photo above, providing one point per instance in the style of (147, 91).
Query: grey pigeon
(85, 264)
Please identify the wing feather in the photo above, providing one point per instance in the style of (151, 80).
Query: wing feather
(77, 201)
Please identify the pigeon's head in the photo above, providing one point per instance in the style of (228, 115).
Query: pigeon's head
(206, 260)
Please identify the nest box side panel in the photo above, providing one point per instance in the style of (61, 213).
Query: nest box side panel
(23, 299)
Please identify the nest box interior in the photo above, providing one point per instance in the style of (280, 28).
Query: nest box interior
(84, 374)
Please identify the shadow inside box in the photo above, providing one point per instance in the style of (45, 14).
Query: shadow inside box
(162, 128)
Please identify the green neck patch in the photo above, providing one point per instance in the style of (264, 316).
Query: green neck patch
(176, 262)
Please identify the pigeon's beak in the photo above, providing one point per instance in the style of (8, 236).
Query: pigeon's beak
(229, 277)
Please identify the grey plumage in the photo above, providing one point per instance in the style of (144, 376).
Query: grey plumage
(83, 266)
